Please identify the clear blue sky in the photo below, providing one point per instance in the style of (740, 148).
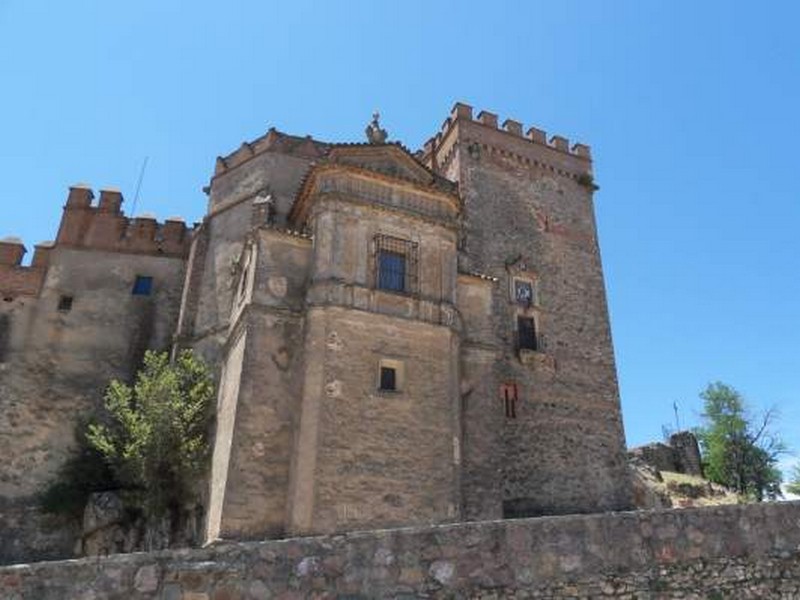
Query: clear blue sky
(691, 109)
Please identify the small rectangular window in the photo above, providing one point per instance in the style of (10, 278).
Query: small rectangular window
(526, 331)
(143, 285)
(390, 375)
(65, 303)
(388, 379)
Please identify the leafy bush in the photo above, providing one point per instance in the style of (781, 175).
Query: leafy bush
(149, 442)
(154, 435)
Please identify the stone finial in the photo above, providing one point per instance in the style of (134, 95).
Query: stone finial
(376, 134)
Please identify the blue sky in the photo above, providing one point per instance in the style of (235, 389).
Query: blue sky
(691, 109)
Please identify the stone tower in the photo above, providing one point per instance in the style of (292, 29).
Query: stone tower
(542, 429)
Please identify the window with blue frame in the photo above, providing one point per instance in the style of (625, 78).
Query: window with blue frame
(391, 271)
(395, 264)
(143, 286)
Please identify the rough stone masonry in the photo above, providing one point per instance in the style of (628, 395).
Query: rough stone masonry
(398, 338)
(732, 552)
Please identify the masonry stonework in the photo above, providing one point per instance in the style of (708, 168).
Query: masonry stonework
(398, 339)
(740, 552)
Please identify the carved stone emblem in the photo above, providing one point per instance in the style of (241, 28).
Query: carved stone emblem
(375, 134)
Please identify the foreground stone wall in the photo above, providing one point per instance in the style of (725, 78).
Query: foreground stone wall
(750, 551)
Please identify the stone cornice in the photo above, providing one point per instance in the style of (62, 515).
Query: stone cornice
(409, 307)
(378, 184)
(338, 200)
(476, 275)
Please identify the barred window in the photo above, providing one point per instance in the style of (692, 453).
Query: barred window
(526, 331)
(65, 303)
(395, 264)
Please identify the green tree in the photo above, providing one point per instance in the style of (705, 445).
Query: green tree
(739, 452)
(794, 483)
(154, 434)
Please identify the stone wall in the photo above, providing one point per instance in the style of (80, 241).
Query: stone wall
(687, 453)
(259, 389)
(379, 458)
(76, 325)
(266, 171)
(56, 363)
(682, 455)
(748, 551)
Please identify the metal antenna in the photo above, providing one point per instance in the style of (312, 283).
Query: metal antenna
(138, 187)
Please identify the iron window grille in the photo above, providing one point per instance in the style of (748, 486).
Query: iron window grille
(396, 263)
(526, 334)
(65, 303)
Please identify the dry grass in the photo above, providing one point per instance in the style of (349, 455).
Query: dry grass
(688, 490)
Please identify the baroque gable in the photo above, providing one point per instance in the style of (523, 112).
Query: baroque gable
(384, 176)
(390, 160)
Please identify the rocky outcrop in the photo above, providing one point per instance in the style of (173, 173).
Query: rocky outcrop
(107, 527)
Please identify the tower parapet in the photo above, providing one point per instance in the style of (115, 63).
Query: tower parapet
(16, 279)
(105, 226)
(486, 132)
(92, 227)
(273, 140)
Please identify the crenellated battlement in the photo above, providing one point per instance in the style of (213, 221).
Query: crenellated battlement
(104, 226)
(555, 152)
(15, 279)
(84, 224)
(463, 112)
(275, 141)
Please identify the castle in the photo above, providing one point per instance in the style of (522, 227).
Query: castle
(399, 338)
